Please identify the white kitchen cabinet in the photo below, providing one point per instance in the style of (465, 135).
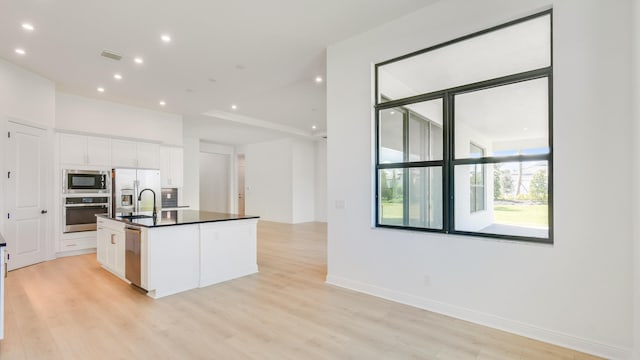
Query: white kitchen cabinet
(171, 166)
(148, 155)
(101, 249)
(116, 252)
(98, 151)
(124, 153)
(133, 154)
(84, 150)
(111, 246)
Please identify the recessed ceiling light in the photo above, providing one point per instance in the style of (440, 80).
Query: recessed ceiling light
(20, 51)
(319, 79)
(313, 127)
(28, 27)
(392, 112)
(166, 38)
(117, 76)
(525, 129)
(138, 60)
(100, 89)
(162, 103)
(234, 107)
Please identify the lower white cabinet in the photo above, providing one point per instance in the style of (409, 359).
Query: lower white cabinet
(111, 248)
(77, 241)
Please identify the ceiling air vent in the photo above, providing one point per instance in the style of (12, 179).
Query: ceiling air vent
(111, 55)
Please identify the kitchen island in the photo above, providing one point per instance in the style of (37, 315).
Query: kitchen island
(178, 250)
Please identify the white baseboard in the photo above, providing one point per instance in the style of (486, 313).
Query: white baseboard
(74, 253)
(512, 326)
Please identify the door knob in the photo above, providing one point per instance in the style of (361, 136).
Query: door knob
(43, 212)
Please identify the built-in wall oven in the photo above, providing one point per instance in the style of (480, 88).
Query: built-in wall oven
(85, 181)
(79, 212)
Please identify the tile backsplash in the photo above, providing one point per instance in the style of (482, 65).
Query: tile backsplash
(169, 197)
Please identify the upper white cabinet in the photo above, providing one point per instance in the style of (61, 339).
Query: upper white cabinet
(123, 153)
(171, 166)
(85, 150)
(135, 154)
(148, 155)
(98, 151)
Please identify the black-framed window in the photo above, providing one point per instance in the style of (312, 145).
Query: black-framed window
(464, 135)
(476, 180)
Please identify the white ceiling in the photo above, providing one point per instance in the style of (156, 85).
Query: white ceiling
(262, 55)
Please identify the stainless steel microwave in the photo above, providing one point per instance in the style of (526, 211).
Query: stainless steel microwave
(85, 181)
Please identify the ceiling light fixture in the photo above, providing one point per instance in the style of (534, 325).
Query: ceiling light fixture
(28, 27)
(234, 107)
(138, 60)
(162, 103)
(166, 38)
(319, 79)
(117, 76)
(20, 51)
(313, 127)
(100, 89)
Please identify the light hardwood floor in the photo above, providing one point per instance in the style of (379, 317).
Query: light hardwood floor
(70, 308)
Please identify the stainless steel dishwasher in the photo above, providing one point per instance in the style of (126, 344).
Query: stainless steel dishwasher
(132, 263)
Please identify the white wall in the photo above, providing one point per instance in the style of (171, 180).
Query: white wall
(280, 180)
(303, 165)
(269, 180)
(321, 180)
(77, 113)
(576, 292)
(229, 151)
(26, 96)
(28, 99)
(191, 187)
(214, 182)
(635, 133)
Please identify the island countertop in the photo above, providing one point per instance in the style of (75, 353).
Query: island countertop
(179, 217)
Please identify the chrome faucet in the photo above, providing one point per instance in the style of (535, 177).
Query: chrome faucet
(154, 200)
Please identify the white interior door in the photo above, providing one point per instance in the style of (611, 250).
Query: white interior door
(25, 197)
(214, 182)
(241, 184)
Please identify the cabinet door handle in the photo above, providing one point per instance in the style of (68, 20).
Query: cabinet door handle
(113, 241)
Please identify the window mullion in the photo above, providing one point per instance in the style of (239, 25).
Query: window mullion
(405, 171)
(447, 183)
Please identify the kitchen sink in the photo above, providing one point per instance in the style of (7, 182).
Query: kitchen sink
(132, 217)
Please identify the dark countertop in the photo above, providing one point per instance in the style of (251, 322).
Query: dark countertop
(180, 217)
(2, 242)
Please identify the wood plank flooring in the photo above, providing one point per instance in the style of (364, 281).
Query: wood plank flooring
(70, 308)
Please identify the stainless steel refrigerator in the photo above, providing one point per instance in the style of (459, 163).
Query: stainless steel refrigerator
(126, 185)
